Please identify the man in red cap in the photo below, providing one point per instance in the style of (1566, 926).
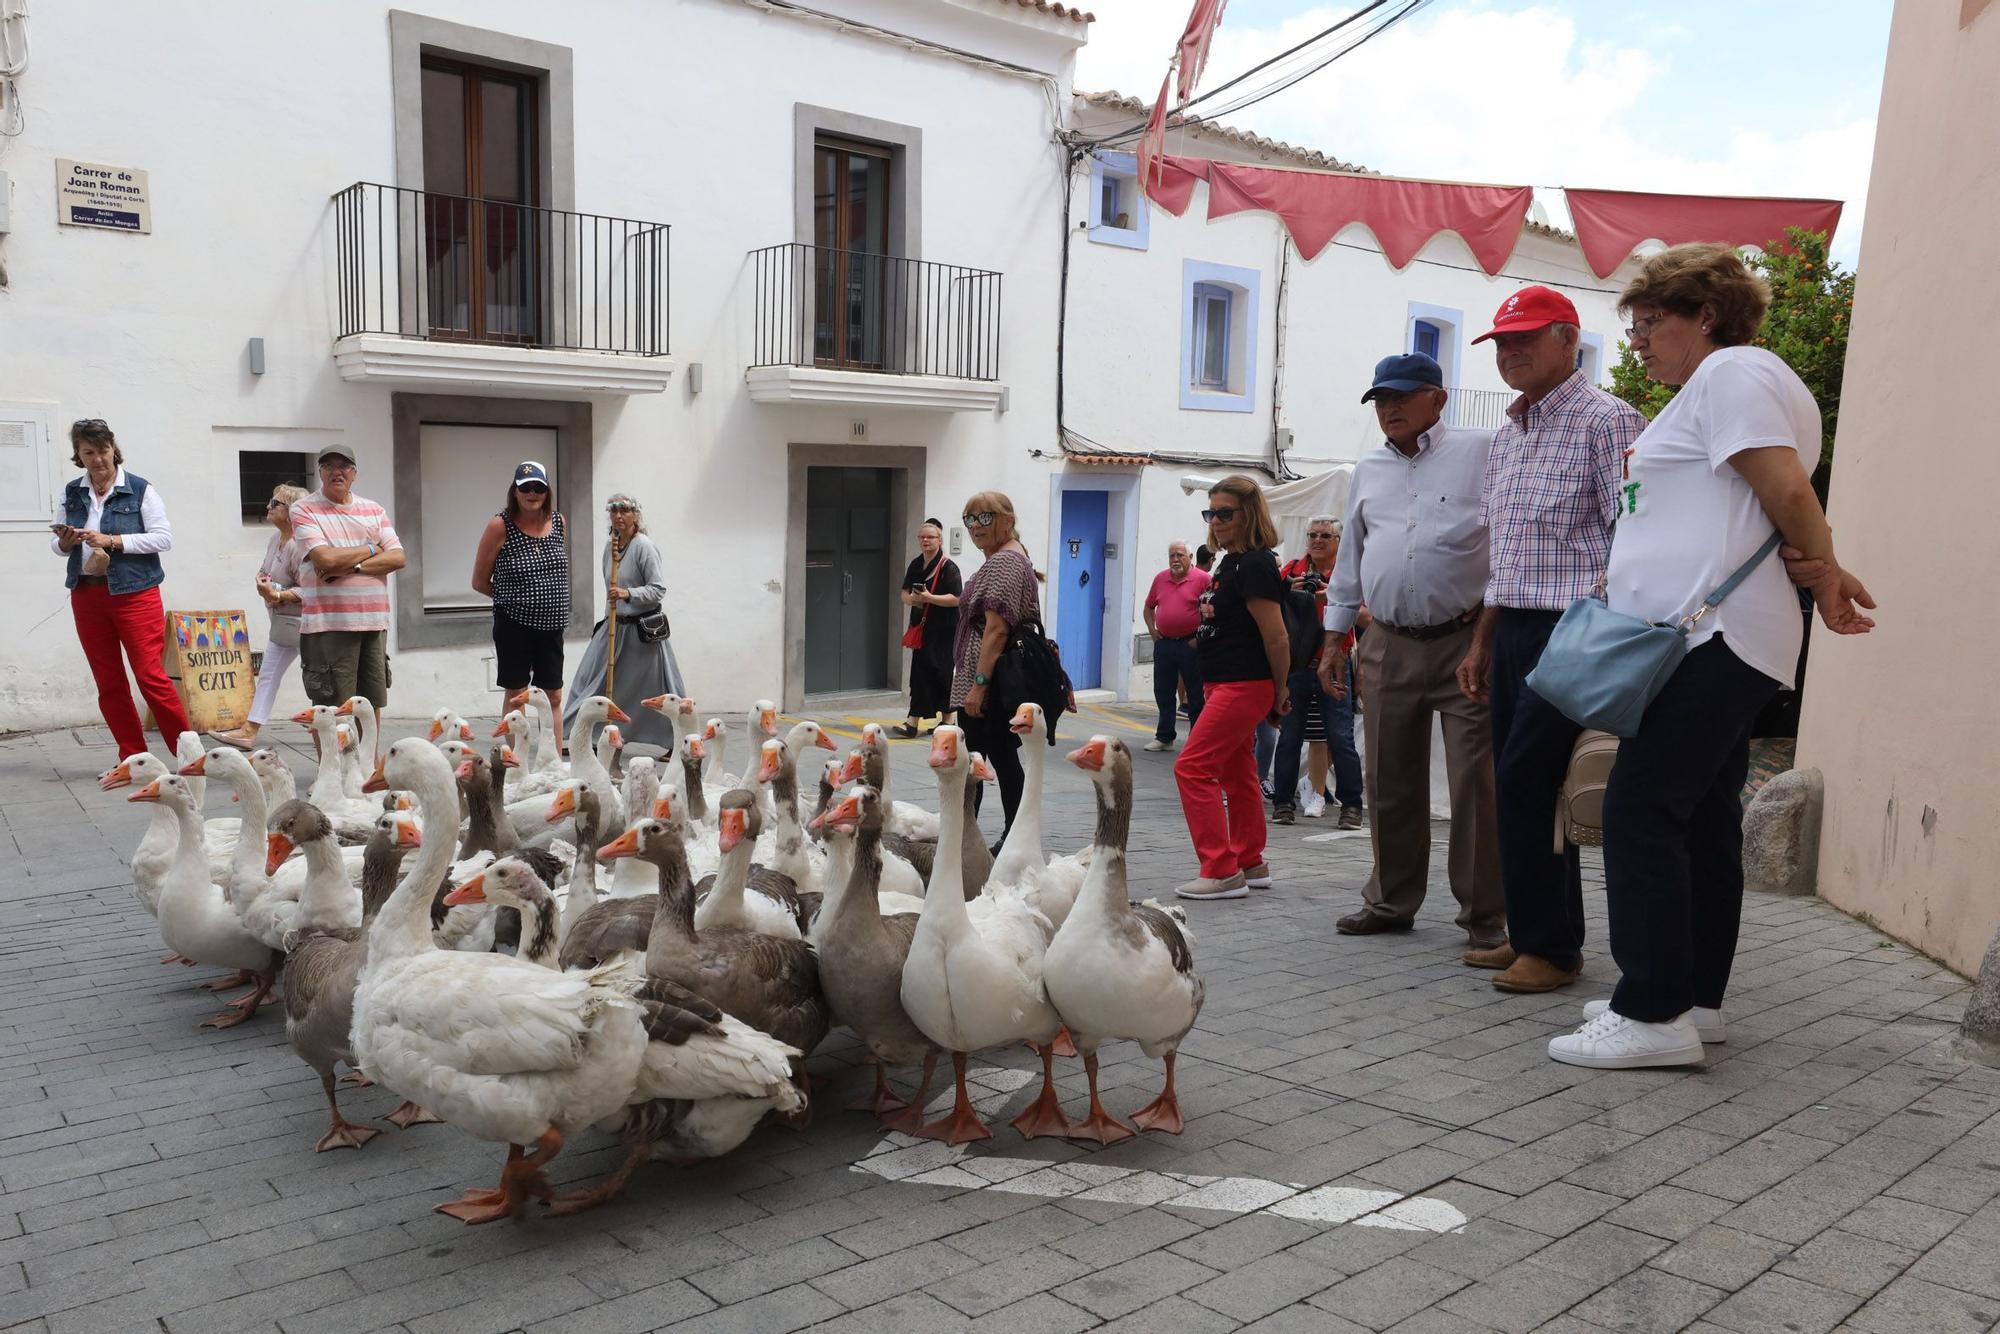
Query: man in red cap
(1552, 478)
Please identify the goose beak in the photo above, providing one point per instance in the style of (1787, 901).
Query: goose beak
(499, 730)
(983, 770)
(516, 701)
(852, 769)
(618, 715)
(625, 845)
(276, 848)
(377, 781)
(847, 814)
(115, 777)
(464, 771)
(731, 832)
(697, 749)
(767, 719)
(663, 807)
(195, 768)
(437, 730)
(823, 741)
(472, 891)
(346, 709)
(304, 716)
(405, 802)
(708, 732)
(464, 730)
(564, 804)
(1090, 755)
(658, 704)
(409, 834)
(1024, 720)
(508, 759)
(768, 769)
(944, 748)
(150, 792)
(687, 707)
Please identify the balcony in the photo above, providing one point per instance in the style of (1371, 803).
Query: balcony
(1482, 409)
(841, 326)
(455, 293)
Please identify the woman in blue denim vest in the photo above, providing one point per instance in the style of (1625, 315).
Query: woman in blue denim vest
(112, 532)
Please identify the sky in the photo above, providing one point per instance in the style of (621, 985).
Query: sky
(1733, 97)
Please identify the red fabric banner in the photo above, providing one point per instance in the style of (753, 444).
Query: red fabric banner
(1610, 223)
(1403, 215)
(1190, 58)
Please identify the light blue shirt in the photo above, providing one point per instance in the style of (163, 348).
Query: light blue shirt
(1414, 545)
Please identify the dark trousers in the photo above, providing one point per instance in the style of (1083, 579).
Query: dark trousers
(1532, 741)
(1174, 662)
(990, 736)
(1337, 717)
(1673, 836)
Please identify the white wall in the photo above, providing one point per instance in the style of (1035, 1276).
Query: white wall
(683, 114)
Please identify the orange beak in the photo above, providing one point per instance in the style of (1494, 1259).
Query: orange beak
(1024, 721)
(406, 802)
(983, 770)
(464, 770)
(708, 732)
(346, 710)
(768, 768)
(464, 731)
(687, 707)
(409, 834)
(195, 768)
(472, 891)
(437, 730)
(852, 769)
(823, 741)
(345, 738)
(1090, 755)
(115, 777)
(625, 845)
(768, 720)
(944, 749)
(564, 804)
(276, 848)
(618, 715)
(499, 730)
(617, 737)
(150, 792)
(516, 701)
(696, 748)
(508, 759)
(377, 781)
(658, 704)
(304, 716)
(731, 832)
(847, 813)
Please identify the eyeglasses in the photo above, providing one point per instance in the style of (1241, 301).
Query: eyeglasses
(979, 520)
(334, 465)
(1321, 535)
(623, 509)
(1221, 515)
(1638, 329)
(90, 424)
(532, 488)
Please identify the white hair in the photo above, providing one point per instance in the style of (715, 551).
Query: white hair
(1334, 520)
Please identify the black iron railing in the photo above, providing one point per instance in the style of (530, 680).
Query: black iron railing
(847, 310)
(419, 264)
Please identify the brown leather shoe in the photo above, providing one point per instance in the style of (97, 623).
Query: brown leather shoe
(1489, 956)
(1530, 975)
(1366, 923)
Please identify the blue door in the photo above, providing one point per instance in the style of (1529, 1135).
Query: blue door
(1080, 586)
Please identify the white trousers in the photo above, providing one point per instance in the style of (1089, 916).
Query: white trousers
(278, 659)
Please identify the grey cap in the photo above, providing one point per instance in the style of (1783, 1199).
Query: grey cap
(335, 452)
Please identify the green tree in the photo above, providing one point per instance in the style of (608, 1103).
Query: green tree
(1812, 305)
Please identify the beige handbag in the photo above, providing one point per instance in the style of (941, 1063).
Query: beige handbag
(1580, 805)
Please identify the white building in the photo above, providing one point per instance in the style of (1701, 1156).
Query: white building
(607, 235)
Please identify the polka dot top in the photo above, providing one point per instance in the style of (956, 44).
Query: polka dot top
(531, 577)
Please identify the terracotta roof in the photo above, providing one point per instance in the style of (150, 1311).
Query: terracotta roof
(1058, 10)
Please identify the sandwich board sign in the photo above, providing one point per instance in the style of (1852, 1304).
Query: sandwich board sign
(209, 654)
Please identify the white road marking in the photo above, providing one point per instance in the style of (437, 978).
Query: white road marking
(1333, 835)
(924, 1162)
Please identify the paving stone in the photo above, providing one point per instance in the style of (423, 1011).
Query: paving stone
(1557, 1209)
(1004, 1282)
(1848, 1261)
(777, 1312)
(1138, 1282)
(913, 1311)
(891, 1275)
(1600, 1252)
(1668, 1211)
(1520, 1298)
(1913, 1304)
(631, 1313)
(1262, 1286)
(1773, 1301)
(1902, 1222)
(1182, 1316)
(1721, 1257)
(1389, 1293)
(1649, 1300)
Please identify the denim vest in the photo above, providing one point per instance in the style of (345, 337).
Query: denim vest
(128, 574)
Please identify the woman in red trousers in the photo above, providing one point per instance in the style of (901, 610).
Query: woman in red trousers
(113, 529)
(1245, 662)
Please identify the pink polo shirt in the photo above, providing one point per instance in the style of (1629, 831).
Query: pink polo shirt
(1174, 604)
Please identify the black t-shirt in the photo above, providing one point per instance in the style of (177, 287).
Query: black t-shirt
(1229, 646)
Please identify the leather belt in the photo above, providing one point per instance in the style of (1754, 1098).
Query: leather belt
(95, 580)
(1423, 633)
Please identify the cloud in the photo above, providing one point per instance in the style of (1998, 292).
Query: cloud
(1471, 92)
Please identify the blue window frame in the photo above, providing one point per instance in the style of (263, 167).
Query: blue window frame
(1211, 336)
(1219, 325)
(1117, 213)
(1425, 337)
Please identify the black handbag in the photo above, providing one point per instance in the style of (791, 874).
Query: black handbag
(653, 626)
(1030, 671)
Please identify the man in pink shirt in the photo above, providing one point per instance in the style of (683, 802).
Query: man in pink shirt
(1173, 614)
(349, 550)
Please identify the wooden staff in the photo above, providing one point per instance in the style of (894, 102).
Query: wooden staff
(611, 643)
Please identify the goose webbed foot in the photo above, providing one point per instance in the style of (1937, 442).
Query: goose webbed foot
(961, 1125)
(242, 977)
(409, 1114)
(520, 1179)
(242, 1009)
(341, 1133)
(576, 1201)
(910, 1119)
(1100, 1125)
(883, 1101)
(357, 1079)
(1164, 1112)
(180, 959)
(1044, 1116)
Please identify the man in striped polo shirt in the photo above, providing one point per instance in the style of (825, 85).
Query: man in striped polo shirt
(349, 550)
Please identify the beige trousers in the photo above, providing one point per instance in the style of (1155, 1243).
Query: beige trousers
(1403, 683)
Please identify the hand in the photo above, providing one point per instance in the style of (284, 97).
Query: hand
(1837, 595)
(264, 590)
(67, 537)
(1475, 673)
(1333, 672)
(1281, 704)
(1804, 572)
(102, 541)
(909, 598)
(1363, 619)
(975, 702)
(617, 594)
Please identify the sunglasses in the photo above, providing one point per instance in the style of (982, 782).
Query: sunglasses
(979, 520)
(1222, 514)
(89, 423)
(1322, 536)
(622, 509)
(532, 488)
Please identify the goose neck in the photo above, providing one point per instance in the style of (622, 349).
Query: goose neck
(326, 891)
(404, 924)
(945, 896)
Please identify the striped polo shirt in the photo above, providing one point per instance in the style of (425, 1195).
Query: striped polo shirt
(351, 601)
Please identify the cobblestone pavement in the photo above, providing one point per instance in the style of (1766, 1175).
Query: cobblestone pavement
(1375, 1140)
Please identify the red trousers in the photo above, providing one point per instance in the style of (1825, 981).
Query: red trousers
(135, 623)
(1219, 762)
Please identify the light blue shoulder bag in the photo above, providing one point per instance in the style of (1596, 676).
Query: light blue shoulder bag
(1602, 667)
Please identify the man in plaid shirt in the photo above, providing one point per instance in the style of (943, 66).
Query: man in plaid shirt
(1552, 480)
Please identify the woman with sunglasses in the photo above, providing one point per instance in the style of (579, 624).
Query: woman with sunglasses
(278, 585)
(635, 587)
(997, 598)
(523, 565)
(1245, 659)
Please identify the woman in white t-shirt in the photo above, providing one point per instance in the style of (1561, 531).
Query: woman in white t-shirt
(1727, 463)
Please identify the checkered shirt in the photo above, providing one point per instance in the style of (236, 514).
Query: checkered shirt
(1552, 480)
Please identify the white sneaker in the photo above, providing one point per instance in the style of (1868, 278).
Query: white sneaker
(1312, 804)
(1707, 1022)
(1158, 745)
(1613, 1042)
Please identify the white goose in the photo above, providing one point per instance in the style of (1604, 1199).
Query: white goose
(352, 775)
(280, 786)
(1118, 969)
(715, 736)
(368, 739)
(547, 757)
(499, 1047)
(905, 818)
(268, 890)
(973, 976)
(836, 873)
(445, 723)
(770, 906)
(155, 853)
(353, 817)
(526, 737)
(1022, 865)
(588, 765)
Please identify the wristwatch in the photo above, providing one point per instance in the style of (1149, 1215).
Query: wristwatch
(981, 679)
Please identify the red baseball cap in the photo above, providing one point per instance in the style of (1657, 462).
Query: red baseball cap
(1529, 309)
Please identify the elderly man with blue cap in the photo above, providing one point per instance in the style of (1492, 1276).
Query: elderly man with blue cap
(1413, 553)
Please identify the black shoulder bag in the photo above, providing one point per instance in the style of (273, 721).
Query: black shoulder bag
(1030, 671)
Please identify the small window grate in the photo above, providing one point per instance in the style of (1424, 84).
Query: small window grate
(259, 471)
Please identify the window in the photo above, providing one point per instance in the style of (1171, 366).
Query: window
(1117, 211)
(258, 471)
(1590, 355)
(1218, 337)
(1425, 337)
(1434, 331)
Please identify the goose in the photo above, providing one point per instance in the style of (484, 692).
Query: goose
(582, 893)
(279, 784)
(642, 789)
(678, 711)
(837, 873)
(975, 861)
(351, 774)
(446, 724)
(516, 733)
(588, 765)
(368, 737)
(789, 853)
(502, 1049)
(196, 921)
(155, 853)
(532, 738)
(247, 882)
(1050, 886)
(353, 818)
(715, 737)
(738, 894)
(321, 965)
(623, 922)
(861, 956)
(1118, 969)
(973, 978)
(707, 1078)
(906, 819)
(546, 758)
(481, 788)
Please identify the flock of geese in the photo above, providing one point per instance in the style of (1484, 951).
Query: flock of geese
(656, 953)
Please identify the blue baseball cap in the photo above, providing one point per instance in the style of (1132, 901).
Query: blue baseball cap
(531, 471)
(1404, 372)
